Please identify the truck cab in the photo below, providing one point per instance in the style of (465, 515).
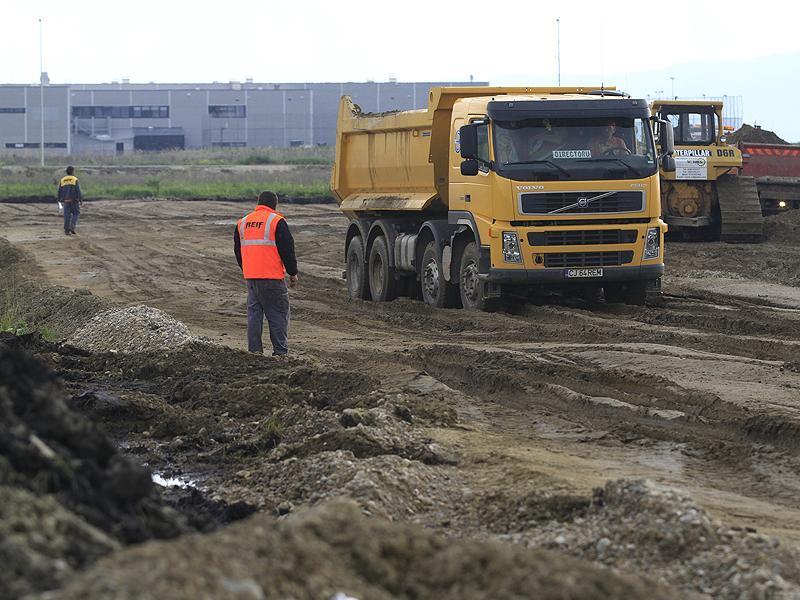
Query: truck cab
(559, 190)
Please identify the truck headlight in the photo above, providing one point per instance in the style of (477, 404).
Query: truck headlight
(652, 243)
(511, 251)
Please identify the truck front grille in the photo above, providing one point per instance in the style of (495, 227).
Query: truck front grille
(546, 202)
(582, 237)
(588, 259)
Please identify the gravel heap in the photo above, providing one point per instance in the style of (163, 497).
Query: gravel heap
(131, 330)
(783, 228)
(633, 527)
(756, 135)
(333, 551)
(67, 496)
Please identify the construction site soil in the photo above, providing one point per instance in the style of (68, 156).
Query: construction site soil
(554, 449)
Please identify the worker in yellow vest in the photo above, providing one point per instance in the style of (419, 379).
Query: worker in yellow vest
(264, 249)
(69, 194)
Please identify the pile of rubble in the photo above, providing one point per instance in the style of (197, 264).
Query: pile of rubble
(131, 330)
(634, 527)
(67, 496)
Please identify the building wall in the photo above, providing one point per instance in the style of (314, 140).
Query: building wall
(21, 119)
(233, 114)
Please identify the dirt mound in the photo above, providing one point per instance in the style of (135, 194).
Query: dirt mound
(783, 228)
(134, 329)
(634, 527)
(334, 549)
(27, 304)
(70, 496)
(756, 135)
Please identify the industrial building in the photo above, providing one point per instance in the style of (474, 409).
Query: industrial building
(117, 118)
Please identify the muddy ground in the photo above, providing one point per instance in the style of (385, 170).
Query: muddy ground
(659, 443)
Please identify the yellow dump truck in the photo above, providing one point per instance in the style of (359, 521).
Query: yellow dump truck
(502, 190)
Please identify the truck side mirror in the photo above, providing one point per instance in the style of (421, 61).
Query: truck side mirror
(470, 167)
(666, 137)
(668, 163)
(468, 139)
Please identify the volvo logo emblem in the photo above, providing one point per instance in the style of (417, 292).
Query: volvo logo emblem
(583, 202)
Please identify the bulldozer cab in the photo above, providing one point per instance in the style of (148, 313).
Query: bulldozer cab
(693, 124)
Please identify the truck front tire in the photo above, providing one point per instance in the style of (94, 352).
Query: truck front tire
(357, 287)
(382, 284)
(633, 292)
(471, 287)
(436, 291)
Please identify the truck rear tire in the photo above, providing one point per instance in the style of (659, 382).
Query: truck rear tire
(436, 291)
(356, 273)
(382, 284)
(471, 287)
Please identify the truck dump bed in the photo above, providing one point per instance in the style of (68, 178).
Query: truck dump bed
(398, 161)
(770, 160)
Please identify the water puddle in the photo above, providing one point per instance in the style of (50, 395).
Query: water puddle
(174, 482)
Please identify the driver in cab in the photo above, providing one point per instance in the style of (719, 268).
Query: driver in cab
(541, 141)
(605, 142)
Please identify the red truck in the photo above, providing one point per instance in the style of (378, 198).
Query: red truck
(776, 168)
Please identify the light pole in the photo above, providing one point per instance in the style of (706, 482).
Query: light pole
(558, 49)
(672, 80)
(41, 93)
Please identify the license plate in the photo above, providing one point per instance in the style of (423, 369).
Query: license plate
(582, 273)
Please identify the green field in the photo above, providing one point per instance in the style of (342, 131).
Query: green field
(319, 155)
(180, 182)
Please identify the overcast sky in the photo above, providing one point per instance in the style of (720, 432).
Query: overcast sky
(511, 42)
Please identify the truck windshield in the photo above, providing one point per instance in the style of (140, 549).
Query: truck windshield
(574, 149)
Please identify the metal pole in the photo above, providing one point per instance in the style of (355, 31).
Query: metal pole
(672, 79)
(558, 48)
(41, 93)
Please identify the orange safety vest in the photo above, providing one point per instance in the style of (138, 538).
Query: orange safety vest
(260, 258)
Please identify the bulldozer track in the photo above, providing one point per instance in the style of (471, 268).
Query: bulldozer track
(740, 210)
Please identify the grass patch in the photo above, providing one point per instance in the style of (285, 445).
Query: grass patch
(158, 188)
(184, 182)
(317, 155)
(11, 318)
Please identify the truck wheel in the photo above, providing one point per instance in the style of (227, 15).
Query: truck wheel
(436, 291)
(471, 287)
(356, 273)
(382, 284)
(634, 292)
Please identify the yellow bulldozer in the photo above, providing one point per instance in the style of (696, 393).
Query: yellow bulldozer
(704, 198)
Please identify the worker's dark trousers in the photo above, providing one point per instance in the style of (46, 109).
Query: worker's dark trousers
(72, 210)
(268, 298)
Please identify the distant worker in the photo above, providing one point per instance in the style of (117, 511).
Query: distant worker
(69, 194)
(264, 249)
(605, 142)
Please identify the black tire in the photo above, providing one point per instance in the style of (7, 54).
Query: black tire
(382, 284)
(356, 271)
(634, 292)
(471, 288)
(436, 291)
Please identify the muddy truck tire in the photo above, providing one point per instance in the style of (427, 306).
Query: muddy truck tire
(436, 290)
(356, 272)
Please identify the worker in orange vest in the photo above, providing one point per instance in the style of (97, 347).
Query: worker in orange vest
(264, 248)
